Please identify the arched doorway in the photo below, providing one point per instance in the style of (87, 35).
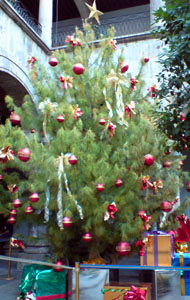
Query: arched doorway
(11, 86)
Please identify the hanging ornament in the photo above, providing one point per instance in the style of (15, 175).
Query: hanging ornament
(53, 61)
(15, 118)
(77, 112)
(67, 81)
(34, 197)
(60, 118)
(188, 186)
(166, 164)
(140, 244)
(78, 69)
(32, 61)
(73, 159)
(100, 187)
(87, 237)
(118, 182)
(12, 188)
(148, 160)
(166, 206)
(102, 121)
(145, 218)
(74, 41)
(17, 203)
(111, 128)
(11, 220)
(123, 248)
(94, 13)
(13, 212)
(29, 210)
(130, 108)
(124, 67)
(133, 83)
(146, 59)
(6, 154)
(168, 151)
(1, 177)
(24, 154)
(181, 163)
(67, 222)
(153, 91)
(58, 264)
(111, 210)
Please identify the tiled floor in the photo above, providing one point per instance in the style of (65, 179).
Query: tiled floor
(9, 289)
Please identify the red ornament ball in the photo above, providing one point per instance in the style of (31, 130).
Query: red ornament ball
(124, 67)
(15, 118)
(166, 164)
(29, 210)
(78, 69)
(146, 59)
(148, 160)
(118, 182)
(34, 197)
(17, 203)
(73, 159)
(87, 237)
(58, 264)
(100, 187)
(181, 163)
(166, 206)
(60, 118)
(102, 121)
(11, 220)
(168, 152)
(53, 61)
(123, 248)
(188, 186)
(13, 212)
(67, 222)
(24, 154)
(1, 176)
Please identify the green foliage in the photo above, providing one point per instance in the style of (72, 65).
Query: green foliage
(174, 92)
(103, 155)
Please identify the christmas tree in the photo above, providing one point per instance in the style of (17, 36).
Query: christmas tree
(85, 156)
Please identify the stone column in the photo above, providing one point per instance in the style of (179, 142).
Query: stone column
(45, 19)
(154, 5)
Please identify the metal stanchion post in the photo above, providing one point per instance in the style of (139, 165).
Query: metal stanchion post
(77, 268)
(9, 263)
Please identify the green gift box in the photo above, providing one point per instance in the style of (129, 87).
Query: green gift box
(44, 281)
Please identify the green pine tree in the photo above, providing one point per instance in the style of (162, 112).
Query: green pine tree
(108, 128)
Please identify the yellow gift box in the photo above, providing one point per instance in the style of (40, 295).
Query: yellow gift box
(158, 250)
(114, 290)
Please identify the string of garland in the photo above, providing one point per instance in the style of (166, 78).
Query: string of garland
(103, 291)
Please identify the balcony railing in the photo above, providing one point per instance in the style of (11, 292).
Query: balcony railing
(124, 25)
(26, 15)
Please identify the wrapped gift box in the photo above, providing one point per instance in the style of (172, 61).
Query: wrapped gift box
(91, 282)
(45, 282)
(183, 260)
(158, 250)
(166, 285)
(115, 290)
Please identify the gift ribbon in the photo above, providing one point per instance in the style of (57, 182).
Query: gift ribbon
(135, 294)
(59, 194)
(79, 208)
(181, 262)
(46, 209)
(51, 297)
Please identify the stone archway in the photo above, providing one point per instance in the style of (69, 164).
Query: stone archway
(11, 86)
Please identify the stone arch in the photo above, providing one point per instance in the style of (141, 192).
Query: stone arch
(15, 82)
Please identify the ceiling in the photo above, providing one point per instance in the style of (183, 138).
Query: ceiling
(68, 10)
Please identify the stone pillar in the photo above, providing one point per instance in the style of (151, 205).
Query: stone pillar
(154, 5)
(45, 19)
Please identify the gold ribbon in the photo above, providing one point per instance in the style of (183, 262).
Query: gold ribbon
(181, 262)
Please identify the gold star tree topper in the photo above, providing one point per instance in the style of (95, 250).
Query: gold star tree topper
(94, 13)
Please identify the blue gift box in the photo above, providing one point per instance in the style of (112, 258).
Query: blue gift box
(183, 259)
